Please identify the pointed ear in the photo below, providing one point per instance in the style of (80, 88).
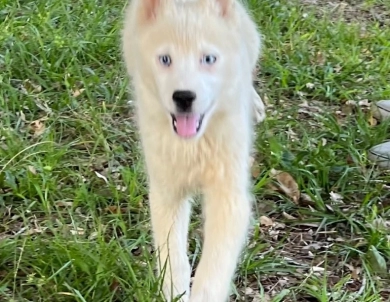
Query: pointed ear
(226, 6)
(148, 9)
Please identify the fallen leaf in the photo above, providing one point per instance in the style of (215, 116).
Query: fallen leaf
(256, 171)
(264, 220)
(309, 85)
(115, 210)
(115, 285)
(381, 224)
(22, 116)
(121, 188)
(37, 127)
(29, 86)
(335, 197)
(266, 100)
(101, 176)
(274, 234)
(287, 184)
(306, 199)
(351, 103)
(93, 235)
(288, 216)
(43, 106)
(291, 135)
(315, 246)
(329, 207)
(77, 92)
(77, 231)
(278, 226)
(317, 269)
(35, 231)
(339, 239)
(355, 271)
(364, 103)
(32, 170)
(372, 120)
(64, 203)
(255, 168)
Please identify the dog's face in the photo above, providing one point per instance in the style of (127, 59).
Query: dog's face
(187, 56)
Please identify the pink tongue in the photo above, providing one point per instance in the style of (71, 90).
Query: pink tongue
(186, 124)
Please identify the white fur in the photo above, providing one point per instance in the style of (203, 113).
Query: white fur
(215, 161)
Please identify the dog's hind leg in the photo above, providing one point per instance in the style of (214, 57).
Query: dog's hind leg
(227, 212)
(170, 213)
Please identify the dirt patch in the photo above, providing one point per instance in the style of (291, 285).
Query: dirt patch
(351, 11)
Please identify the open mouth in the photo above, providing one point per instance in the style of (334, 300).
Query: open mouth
(187, 125)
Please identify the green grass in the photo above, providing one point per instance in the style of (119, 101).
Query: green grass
(68, 234)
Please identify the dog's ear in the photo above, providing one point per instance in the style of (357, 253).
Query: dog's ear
(226, 6)
(148, 9)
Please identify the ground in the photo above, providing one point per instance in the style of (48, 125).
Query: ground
(74, 223)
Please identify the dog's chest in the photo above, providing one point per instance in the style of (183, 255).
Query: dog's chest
(190, 162)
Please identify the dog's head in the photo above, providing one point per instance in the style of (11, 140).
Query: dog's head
(189, 49)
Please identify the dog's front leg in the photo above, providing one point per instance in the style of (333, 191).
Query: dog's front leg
(227, 212)
(170, 213)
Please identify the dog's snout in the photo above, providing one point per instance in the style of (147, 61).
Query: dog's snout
(184, 99)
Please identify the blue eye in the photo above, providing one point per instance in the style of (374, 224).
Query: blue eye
(165, 60)
(208, 59)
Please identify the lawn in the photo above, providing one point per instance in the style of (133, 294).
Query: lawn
(74, 223)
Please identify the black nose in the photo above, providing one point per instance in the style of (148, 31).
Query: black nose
(184, 99)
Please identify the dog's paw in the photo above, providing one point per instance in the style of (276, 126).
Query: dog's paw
(259, 116)
(259, 108)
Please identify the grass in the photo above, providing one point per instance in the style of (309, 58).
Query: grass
(74, 222)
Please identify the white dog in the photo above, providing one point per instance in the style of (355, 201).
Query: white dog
(191, 65)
